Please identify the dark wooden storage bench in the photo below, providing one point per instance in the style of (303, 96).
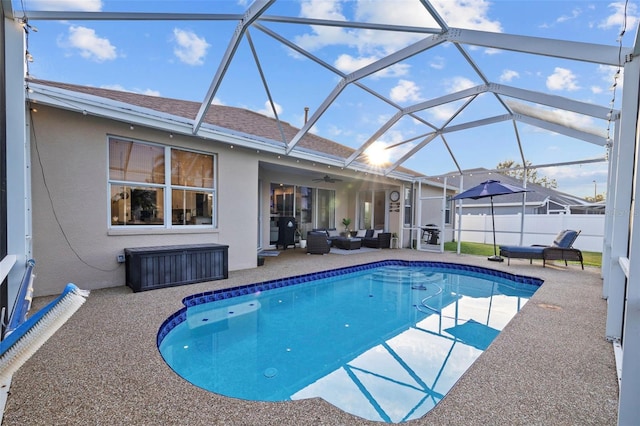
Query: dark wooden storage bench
(165, 266)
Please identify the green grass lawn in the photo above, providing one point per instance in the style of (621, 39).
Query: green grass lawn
(590, 258)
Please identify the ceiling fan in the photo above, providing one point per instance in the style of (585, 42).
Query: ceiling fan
(327, 178)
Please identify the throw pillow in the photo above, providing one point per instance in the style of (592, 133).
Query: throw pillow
(333, 233)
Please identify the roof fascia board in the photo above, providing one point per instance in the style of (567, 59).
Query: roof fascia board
(585, 52)
(552, 101)
(126, 113)
(252, 13)
(120, 111)
(95, 105)
(563, 130)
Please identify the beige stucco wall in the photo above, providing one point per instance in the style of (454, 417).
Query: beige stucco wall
(71, 237)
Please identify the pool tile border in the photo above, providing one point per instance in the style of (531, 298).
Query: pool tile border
(227, 293)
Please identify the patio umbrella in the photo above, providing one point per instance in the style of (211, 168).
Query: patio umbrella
(490, 188)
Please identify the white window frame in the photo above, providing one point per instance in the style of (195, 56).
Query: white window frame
(167, 188)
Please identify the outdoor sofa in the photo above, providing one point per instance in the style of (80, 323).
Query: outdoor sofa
(560, 249)
(369, 237)
(376, 239)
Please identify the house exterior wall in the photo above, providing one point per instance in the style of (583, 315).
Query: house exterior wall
(72, 241)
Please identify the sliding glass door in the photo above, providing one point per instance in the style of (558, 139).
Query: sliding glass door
(372, 210)
(311, 207)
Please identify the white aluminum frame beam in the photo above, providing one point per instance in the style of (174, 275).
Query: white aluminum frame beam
(573, 50)
(623, 303)
(252, 13)
(554, 101)
(400, 55)
(563, 130)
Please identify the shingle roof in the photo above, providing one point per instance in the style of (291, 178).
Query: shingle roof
(538, 193)
(231, 118)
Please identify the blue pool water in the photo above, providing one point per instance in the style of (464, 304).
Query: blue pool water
(383, 341)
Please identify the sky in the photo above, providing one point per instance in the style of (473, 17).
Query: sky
(178, 59)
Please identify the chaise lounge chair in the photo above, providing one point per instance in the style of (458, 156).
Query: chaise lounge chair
(561, 249)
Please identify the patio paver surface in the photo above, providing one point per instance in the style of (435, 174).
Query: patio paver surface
(551, 364)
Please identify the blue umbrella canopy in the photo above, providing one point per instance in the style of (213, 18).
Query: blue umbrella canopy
(490, 188)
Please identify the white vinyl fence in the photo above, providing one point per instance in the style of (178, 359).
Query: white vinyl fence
(538, 229)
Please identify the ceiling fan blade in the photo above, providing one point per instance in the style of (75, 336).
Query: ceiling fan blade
(327, 178)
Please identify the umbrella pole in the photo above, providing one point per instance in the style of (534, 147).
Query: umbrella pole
(495, 257)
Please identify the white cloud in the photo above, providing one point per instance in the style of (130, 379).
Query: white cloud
(405, 91)
(89, 44)
(471, 14)
(509, 75)
(458, 83)
(608, 74)
(442, 112)
(268, 111)
(190, 48)
(596, 90)
(59, 5)
(562, 79)
(575, 13)
(617, 19)
(437, 63)
(322, 36)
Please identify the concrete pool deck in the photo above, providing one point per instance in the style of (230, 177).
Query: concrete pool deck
(550, 365)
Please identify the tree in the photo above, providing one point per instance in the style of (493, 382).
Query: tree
(515, 170)
(596, 199)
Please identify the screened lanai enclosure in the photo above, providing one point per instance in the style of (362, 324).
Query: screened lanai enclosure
(417, 90)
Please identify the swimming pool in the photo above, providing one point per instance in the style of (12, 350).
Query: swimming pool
(384, 341)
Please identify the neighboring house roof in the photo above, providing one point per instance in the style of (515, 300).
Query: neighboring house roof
(236, 120)
(538, 194)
